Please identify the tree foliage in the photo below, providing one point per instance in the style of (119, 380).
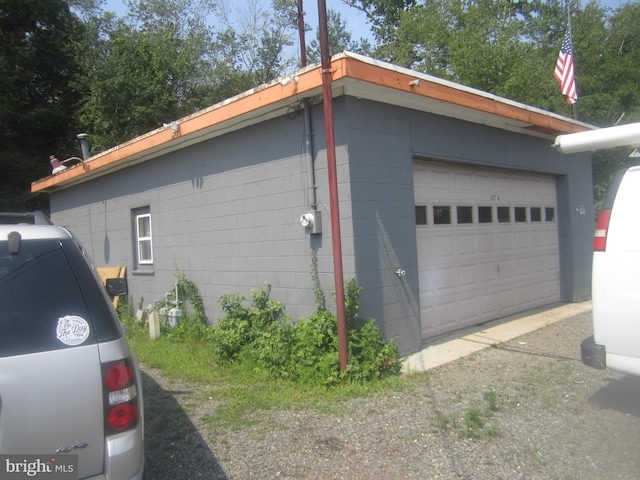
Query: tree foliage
(510, 48)
(339, 39)
(69, 66)
(37, 97)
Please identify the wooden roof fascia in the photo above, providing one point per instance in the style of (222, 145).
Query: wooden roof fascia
(399, 79)
(249, 103)
(249, 107)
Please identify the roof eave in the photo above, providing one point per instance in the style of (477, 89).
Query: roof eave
(353, 75)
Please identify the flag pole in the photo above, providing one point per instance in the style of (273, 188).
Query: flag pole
(570, 28)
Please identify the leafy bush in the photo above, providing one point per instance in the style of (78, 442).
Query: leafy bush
(133, 326)
(260, 334)
(305, 351)
(243, 326)
(190, 327)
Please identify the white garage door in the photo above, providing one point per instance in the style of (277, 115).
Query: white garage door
(487, 244)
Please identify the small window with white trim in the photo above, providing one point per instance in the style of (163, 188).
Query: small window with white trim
(143, 236)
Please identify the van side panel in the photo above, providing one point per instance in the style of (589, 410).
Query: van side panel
(616, 280)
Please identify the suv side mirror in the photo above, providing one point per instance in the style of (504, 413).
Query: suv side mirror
(117, 287)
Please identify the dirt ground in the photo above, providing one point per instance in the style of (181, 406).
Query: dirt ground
(524, 409)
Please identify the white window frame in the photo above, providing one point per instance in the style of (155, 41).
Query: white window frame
(144, 240)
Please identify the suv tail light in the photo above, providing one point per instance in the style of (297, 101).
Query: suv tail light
(602, 225)
(121, 396)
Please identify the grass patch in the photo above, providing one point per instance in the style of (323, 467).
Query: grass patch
(474, 424)
(242, 390)
(255, 358)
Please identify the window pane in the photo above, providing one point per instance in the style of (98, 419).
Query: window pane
(504, 214)
(144, 226)
(549, 214)
(144, 248)
(421, 215)
(465, 215)
(143, 237)
(441, 215)
(520, 214)
(536, 214)
(485, 214)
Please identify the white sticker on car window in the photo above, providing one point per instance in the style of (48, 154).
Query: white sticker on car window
(72, 330)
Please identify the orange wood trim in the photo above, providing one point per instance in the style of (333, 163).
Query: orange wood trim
(400, 81)
(343, 67)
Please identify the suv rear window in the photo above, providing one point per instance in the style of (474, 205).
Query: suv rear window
(38, 292)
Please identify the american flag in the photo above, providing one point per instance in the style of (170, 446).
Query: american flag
(564, 71)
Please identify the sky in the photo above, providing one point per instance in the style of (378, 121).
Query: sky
(356, 21)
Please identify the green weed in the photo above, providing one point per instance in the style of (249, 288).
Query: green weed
(475, 421)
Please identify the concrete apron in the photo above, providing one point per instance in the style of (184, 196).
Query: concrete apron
(464, 342)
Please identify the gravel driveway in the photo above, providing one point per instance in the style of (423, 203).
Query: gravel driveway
(544, 416)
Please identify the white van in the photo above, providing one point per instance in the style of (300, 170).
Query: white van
(615, 282)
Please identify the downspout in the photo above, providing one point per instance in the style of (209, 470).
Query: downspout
(308, 139)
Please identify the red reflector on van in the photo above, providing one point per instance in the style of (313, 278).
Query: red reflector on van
(602, 225)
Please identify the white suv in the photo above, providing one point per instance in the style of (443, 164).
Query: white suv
(70, 388)
(615, 343)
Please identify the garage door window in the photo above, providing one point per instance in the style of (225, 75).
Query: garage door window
(536, 214)
(549, 214)
(465, 215)
(421, 215)
(441, 215)
(485, 214)
(504, 214)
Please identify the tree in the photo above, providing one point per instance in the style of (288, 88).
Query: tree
(145, 69)
(255, 40)
(339, 39)
(509, 48)
(37, 99)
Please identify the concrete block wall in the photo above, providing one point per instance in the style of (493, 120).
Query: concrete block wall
(225, 213)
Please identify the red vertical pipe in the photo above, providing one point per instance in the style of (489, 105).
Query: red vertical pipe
(327, 100)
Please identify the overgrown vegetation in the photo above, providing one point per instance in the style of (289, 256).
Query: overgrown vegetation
(256, 334)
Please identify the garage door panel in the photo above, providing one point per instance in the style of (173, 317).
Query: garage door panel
(442, 247)
(446, 312)
(488, 305)
(472, 271)
(425, 278)
(507, 269)
(523, 240)
(523, 267)
(468, 276)
(467, 245)
(505, 241)
(538, 264)
(445, 280)
(507, 301)
(551, 239)
(486, 242)
(488, 272)
(468, 309)
(552, 266)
